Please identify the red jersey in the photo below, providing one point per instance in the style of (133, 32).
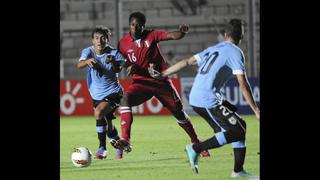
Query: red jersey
(144, 51)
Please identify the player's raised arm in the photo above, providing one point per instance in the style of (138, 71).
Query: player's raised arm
(91, 62)
(175, 35)
(86, 59)
(88, 62)
(173, 69)
(179, 66)
(246, 91)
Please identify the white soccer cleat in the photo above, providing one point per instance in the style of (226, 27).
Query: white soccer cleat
(242, 174)
(193, 158)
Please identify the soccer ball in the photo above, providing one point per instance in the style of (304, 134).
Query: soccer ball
(81, 157)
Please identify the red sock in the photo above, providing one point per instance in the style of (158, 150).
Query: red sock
(126, 121)
(190, 131)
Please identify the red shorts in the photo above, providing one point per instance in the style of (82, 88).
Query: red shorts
(140, 91)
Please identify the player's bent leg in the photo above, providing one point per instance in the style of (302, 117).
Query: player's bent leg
(102, 109)
(171, 100)
(112, 134)
(126, 117)
(104, 113)
(136, 94)
(236, 135)
(101, 132)
(169, 97)
(126, 122)
(188, 127)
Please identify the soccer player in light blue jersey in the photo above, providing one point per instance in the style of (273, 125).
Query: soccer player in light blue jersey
(217, 64)
(102, 63)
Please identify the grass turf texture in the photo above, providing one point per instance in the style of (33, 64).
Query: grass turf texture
(158, 151)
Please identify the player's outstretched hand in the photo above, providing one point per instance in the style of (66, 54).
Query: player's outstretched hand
(154, 73)
(184, 28)
(92, 63)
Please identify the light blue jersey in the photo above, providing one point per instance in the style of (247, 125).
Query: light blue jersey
(102, 85)
(217, 64)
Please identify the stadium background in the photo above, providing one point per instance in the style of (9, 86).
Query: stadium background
(205, 17)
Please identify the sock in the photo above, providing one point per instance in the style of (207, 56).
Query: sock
(239, 156)
(112, 132)
(188, 128)
(126, 121)
(101, 130)
(207, 144)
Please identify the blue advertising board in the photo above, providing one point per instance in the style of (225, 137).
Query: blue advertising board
(234, 95)
(231, 91)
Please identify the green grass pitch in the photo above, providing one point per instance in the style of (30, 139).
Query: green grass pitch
(158, 151)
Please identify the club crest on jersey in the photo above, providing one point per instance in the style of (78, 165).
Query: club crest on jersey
(232, 120)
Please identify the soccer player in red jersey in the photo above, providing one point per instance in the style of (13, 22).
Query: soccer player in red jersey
(140, 48)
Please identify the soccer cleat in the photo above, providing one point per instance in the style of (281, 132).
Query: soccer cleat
(121, 145)
(205, 153)
(241, 174)
(124, 145)
(115, 143)
(193, 158)
(101, 153)
(119, 154)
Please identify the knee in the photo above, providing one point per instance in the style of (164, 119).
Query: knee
(242, 129)
(239, 144)
(124, 100)
(244, 124)
(241, 122)
(240, 134)
(221, 138)
(98, 114)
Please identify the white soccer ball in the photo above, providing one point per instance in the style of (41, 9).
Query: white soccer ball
(81, 157)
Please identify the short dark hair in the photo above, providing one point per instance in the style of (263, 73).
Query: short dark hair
(102, 30)
(234, 29)
(139, 16)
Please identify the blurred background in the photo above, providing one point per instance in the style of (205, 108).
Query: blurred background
(205, 17)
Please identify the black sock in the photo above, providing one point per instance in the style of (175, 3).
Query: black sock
(207, 144)
(239, 156)
(101, 130)
(112, 133)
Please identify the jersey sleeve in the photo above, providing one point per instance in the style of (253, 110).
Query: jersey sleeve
(201, 56)
(160, 35)
(84, 54)
(236, 62)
